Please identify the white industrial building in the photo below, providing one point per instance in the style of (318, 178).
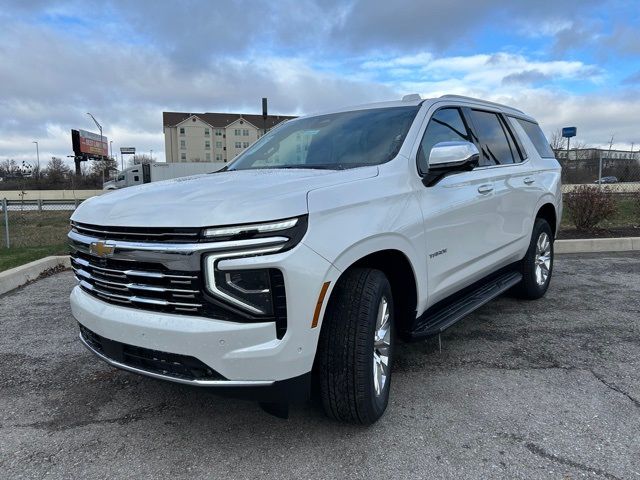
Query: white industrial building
(212, 137)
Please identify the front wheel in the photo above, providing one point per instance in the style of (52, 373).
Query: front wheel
(537, 264)
(356, 347)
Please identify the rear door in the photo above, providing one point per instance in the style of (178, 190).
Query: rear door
(515, 192)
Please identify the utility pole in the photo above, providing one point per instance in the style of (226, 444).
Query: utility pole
(37, 157)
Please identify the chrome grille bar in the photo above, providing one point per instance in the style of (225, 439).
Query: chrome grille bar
(131, 286)
(92, 229)
(135, 298)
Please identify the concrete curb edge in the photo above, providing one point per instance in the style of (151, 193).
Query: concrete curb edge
(595, 245)
(19, 276)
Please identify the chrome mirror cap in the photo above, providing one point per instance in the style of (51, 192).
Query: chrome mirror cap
(445, 154)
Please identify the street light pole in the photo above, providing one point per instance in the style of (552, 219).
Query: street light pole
(37, 157)
(99, 128)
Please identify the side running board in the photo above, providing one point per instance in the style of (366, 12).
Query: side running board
(444, 314)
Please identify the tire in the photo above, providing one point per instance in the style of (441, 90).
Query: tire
(347, 348)
(534, 284)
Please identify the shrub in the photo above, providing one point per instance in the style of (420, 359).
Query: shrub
(589, 205)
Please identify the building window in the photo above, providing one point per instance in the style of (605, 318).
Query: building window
(237, 132)
(218, 144)
(245, 132)
(183, 144)
(181, 130)
(208, 156)
(218, 157)
(245, 144)
(218, 132)
(183, 157)
(207, 145)
(238, 144)
(206, 132)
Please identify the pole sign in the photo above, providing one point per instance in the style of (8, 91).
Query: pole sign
(568, 132)
(93, 144)
(128, 150)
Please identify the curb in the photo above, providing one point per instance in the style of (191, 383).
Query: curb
(19, 276)
(595, 245)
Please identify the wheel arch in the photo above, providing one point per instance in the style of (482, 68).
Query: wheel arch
(399, 269)
(547, 211)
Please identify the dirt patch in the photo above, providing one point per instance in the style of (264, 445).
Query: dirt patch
(617, 232)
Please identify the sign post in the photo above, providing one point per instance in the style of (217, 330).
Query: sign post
(126, 151)
(568, 132)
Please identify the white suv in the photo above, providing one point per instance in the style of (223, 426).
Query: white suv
(300, 264)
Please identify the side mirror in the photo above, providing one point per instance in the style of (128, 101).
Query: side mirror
(450, 157)
(453, 154)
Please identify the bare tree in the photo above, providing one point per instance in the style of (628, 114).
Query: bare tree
(557, 141)
(57, 171)
(9, 168)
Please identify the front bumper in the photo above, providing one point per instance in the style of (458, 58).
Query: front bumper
(243, 353)
(290, 390)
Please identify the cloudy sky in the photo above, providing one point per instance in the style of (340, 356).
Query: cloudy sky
(565, 62)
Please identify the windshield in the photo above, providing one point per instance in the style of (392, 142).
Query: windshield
(335, 141)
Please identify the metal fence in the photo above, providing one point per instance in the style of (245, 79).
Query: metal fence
(587, 170)
(36, 223)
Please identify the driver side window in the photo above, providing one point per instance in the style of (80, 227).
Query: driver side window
(446, 125)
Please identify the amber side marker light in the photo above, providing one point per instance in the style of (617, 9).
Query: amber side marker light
(316, 314)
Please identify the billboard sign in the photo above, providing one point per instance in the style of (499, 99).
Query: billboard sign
(92, 144)
(568, 132)
(128, 150)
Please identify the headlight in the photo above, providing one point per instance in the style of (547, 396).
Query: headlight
(250, 288)
(256, 292)
(252, 229)
(293, 229)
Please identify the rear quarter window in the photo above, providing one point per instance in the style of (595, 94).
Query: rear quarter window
(536, 136)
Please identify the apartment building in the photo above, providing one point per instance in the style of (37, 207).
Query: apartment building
(212, 137)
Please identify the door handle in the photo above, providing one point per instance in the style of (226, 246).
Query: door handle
(486, 188)
(529, 180)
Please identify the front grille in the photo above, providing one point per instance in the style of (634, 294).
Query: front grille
(169, 364)
(141, 285)
(139, 234)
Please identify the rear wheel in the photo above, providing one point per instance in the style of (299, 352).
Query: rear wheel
(356, 347)
(537, 265)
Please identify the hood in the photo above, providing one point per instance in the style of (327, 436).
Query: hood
(222, 198)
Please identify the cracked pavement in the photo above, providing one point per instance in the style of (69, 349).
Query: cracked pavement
(544, 389)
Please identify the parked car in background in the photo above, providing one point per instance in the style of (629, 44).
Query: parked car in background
(303, 261)
(607, 180)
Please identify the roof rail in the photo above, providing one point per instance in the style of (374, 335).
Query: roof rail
(478, 100)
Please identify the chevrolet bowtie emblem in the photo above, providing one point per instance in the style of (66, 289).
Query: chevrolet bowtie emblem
(101, 249)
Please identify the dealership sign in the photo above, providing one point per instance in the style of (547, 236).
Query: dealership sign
(128, 150)
(93, 144)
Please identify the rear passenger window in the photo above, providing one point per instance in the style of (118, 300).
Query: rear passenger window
(446, 125)
(538, 139)
(497, 146)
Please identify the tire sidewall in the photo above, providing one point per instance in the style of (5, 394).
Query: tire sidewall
(534, 289)
(379, 403)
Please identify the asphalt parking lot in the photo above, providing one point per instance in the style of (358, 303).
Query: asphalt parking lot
(545, 389)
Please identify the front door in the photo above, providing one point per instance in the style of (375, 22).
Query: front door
(460, 213)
